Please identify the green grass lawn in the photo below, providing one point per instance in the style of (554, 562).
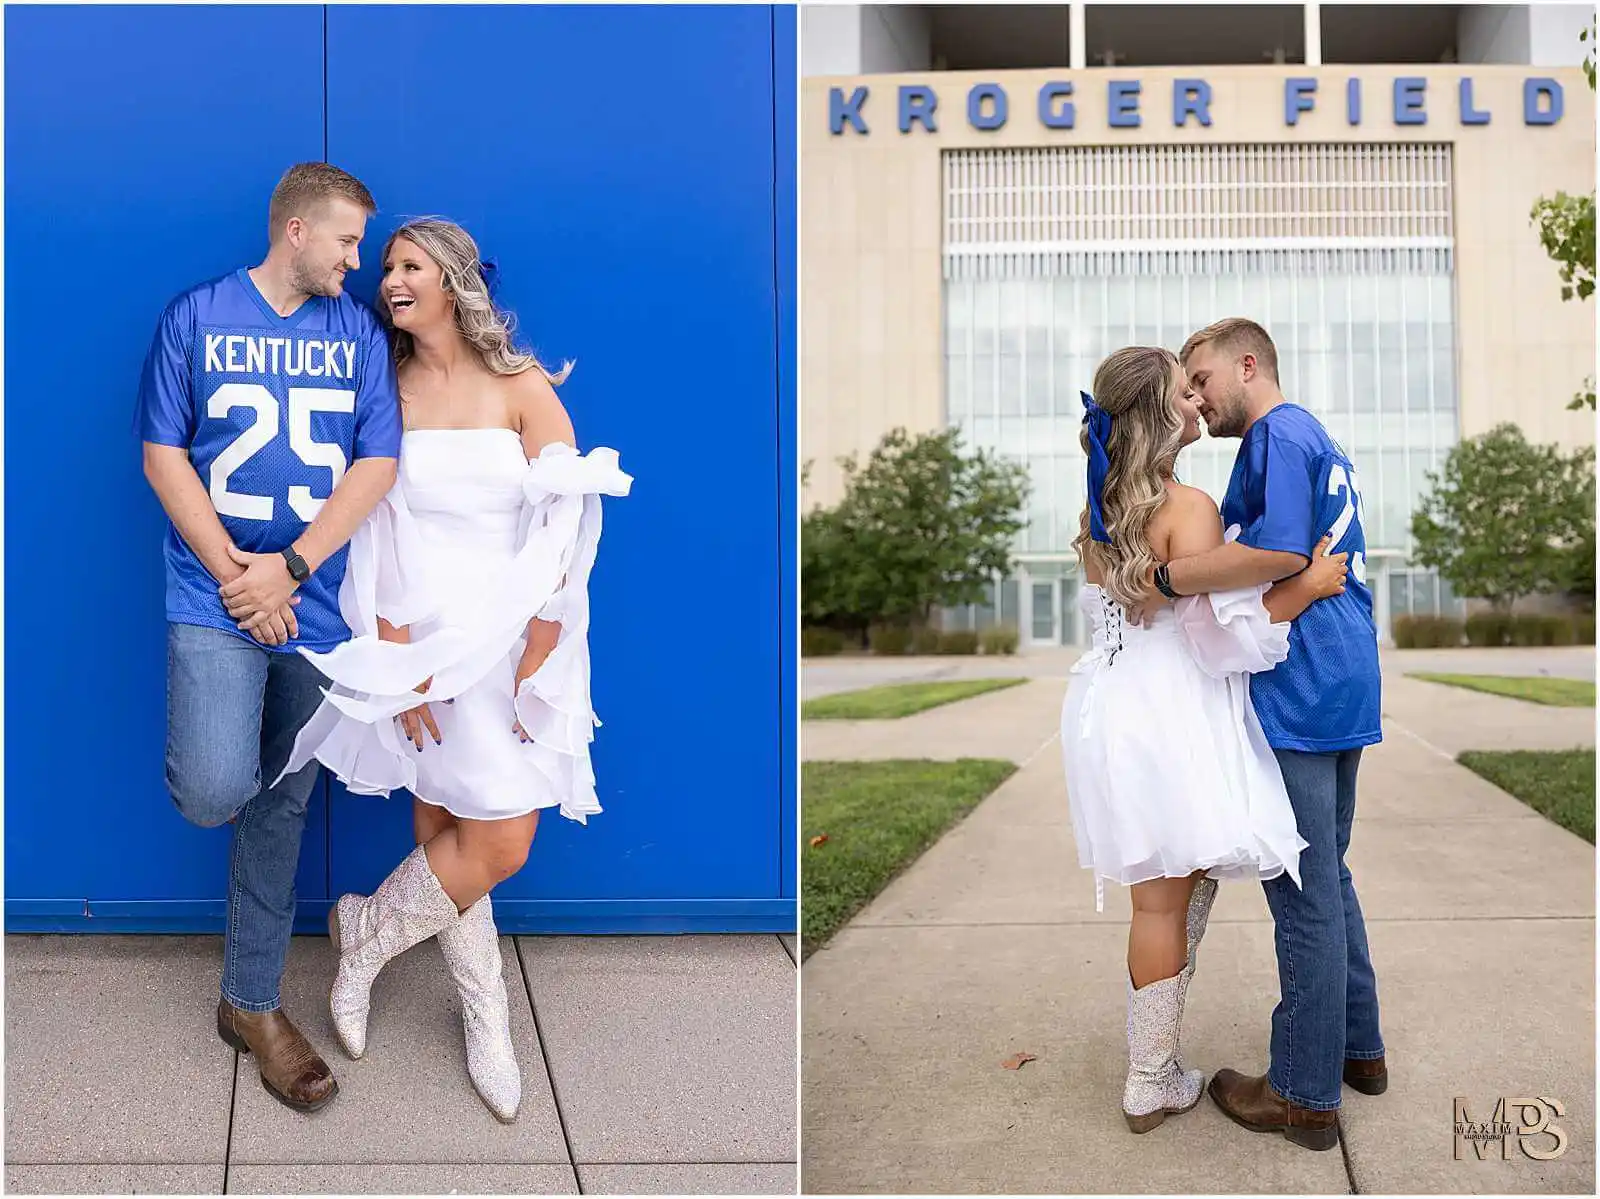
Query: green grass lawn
(878, 818)
(1558, 784)
(1560, 693)
(901, 699)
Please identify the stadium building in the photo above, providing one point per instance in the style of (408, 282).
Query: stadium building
(993, 197)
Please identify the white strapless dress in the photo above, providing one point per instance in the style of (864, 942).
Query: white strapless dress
(1168, 769)
(472, 542)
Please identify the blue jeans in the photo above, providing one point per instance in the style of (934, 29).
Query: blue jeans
(233, 712)
(1328, 1007)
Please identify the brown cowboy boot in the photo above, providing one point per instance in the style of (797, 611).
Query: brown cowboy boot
(1253, 1103)
(292, 1072)
(1369, 1076)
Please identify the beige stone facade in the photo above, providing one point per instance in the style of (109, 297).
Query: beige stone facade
(872, 229)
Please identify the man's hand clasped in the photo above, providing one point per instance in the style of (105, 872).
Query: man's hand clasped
(261, 597)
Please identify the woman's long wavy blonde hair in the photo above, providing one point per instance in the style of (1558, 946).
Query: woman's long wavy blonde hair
(486, 327)
(1139, 387)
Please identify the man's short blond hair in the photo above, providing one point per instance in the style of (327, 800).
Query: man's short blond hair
(306, 186)
(1235, 335)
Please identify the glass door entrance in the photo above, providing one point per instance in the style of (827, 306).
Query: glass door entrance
(1049, 600)
(1046, 609)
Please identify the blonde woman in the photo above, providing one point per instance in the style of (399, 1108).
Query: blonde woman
(1170, 780)
(468, 586)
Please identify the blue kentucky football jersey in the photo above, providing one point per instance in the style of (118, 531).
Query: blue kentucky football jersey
(272, 410)
(1291, 484)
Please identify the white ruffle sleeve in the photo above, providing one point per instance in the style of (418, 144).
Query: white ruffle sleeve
(354, 734)
(1230, 632)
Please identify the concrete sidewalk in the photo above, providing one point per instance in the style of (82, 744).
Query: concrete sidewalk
(1453, 719)
(650, 1065)
(1481, 918)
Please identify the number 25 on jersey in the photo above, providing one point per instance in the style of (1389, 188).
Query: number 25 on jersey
(303, 401)
(1343, 482)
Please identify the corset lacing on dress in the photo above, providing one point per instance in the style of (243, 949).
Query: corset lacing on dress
(1112, 619)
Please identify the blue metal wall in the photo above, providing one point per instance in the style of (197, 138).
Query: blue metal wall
(632, 171)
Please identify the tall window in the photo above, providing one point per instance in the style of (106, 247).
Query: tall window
(1372, 355)
(1053, 259)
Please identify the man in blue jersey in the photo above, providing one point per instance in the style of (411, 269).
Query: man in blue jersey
(1291, 484)
(271, 428)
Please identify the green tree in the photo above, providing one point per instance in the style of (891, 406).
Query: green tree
(1581, 586)
(922, 524)
(1507, 519)
(832, 569)
(836, 585)
(1566, 230)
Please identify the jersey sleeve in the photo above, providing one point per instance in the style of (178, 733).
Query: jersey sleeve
(378, 401)
(1288, 511)
(166, 387)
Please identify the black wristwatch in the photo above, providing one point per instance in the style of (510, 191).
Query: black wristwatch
(1163, 583)
(298, 570)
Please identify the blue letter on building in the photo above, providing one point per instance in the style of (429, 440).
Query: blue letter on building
(1052, 115)
(841, 110)
(1299, 95)
(1190, 96)
(1408, 96)
(1123, 101)
(918, 104)
(1469, 111)
(1531, 91)
(975, 99)
(1352, 101)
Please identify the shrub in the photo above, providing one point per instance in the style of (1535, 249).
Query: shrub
(889, 639)
(819, 642)
(1426, 632)
(958, 641)
(1489, 628)
(1000, 639)
(1583, 629)
(926, 640)
(1542, 630)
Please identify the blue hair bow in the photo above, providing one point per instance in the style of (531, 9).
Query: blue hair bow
(491, 276)
(1098, 421)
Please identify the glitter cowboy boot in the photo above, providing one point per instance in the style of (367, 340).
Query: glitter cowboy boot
(407, 908)
(1157, 1085)
(472, 952)
(1200, 901)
